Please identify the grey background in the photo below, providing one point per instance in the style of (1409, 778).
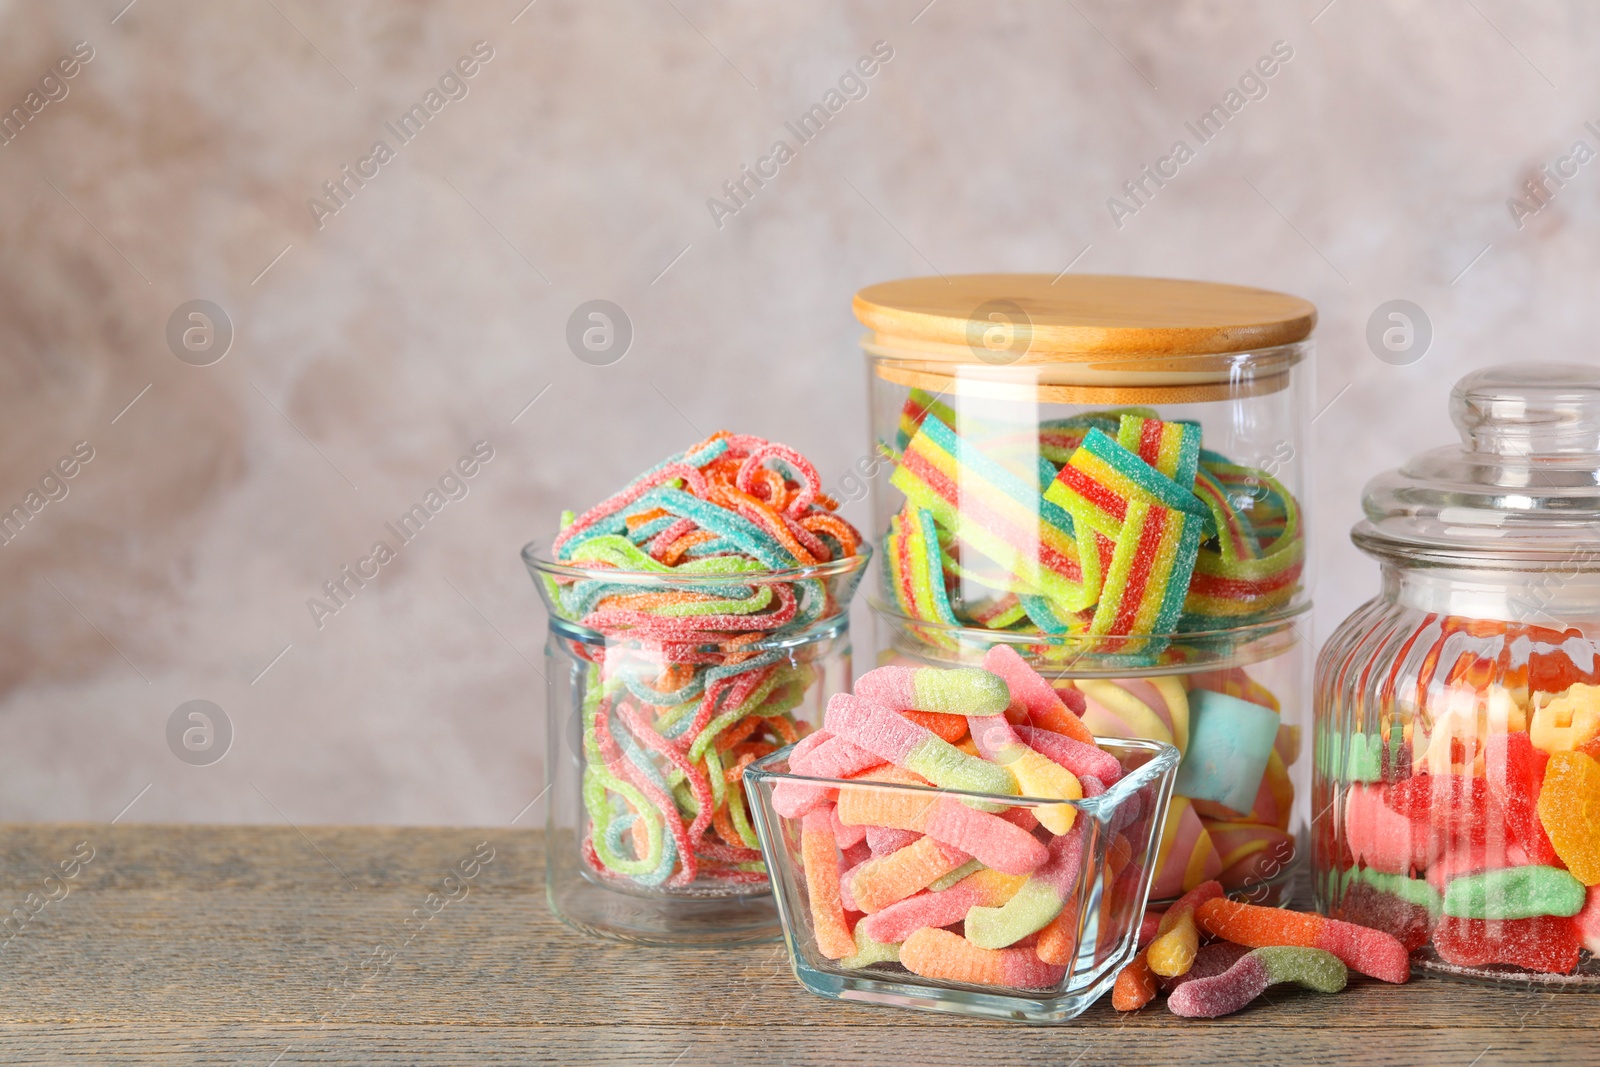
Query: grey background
(427, 313)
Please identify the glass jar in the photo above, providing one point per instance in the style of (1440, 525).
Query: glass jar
(648, 836)
(1050, 976)
(1458, 712)
(1106, 474)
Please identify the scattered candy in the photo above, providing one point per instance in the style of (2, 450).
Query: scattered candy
(672, 571)
(1371, 952)
(1310, 968)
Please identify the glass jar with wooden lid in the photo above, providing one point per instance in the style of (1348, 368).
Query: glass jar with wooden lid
(1107, 474)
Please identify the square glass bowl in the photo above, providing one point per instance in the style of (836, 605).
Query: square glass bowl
(1107, 874)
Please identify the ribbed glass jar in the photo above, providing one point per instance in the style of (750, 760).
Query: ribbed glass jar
(1457, 735)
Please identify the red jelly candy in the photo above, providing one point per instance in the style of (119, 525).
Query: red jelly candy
(1455, 804)
(1515, 774)
(1367, 905)
(1396, 761)
(1547, 943)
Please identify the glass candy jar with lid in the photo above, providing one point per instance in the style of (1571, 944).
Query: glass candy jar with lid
(1105, 474)
(1457, 749)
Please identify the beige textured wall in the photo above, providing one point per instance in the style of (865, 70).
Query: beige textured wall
(427, 312)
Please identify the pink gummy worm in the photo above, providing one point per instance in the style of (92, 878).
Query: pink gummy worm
(885, 839)
(833, 757)
(846, 897)
(891, 687)
(904, 917)
(991, 840)
(670, 473)
(1065, 864)
(847, 836)
(798, 464)
(1221, 994)
(1076, 756)
(993, 735)
(1027, 687)
(874, 727)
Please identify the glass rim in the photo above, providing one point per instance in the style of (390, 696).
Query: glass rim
(1279, 620)
(1164, 757)
(830, 569)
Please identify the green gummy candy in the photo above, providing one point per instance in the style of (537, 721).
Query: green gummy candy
(947, 766)
(869, 952)
(1411, 890)
(1030, 911)
(960, 691)
(1364, 763)
(1312, 968)
(1514, 893)
(939, 885)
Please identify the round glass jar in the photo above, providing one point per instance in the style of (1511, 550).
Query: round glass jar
(649, 837)
(1105, 473)
(1457, 744)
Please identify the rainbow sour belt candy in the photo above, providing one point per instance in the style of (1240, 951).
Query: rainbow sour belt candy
(673, 572)
(1109, 524)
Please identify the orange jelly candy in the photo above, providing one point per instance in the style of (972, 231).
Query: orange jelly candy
(1569, 809)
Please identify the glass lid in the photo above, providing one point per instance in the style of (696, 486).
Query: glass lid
(1523, 487)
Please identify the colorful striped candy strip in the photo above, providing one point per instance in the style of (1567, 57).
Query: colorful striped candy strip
(1145, 586)
(914, 569)
(997, 514)
(1173, 448)
(1101, 478)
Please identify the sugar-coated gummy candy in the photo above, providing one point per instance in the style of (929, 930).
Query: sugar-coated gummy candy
(1036, 903)
(1514, 893)
(1365, 904)
(1566, 721)
(1210, 961)
(1569, 810)
(982, 888)
(821, 858)
(1587, 921)
(1042, 702)
(1175, 932)
(949, 691)
(1383, 838)
(1372, 952)
(1036, 775)
(869, 952)
(1255, 971)
(946, 956)
(1230, 741)
(885, 879)
(883, 840)
(1135, 986)
(893, 737)
(1546, 943)
(989, 838)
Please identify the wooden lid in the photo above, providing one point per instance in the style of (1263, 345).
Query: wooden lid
(1083, 338)
(1085, 317)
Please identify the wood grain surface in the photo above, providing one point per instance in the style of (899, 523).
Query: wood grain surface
(255, 945)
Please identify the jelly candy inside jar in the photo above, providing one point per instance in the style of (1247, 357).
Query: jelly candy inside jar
(1462, 811)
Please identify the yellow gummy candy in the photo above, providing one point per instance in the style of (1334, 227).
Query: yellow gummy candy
(1173, 952)
(1567, 721)
(1569, 809)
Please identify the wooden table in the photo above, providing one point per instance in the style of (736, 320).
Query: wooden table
(253, 945)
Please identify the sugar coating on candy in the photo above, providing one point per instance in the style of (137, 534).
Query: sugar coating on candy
(1230, 741)
(1515, 772)
(1372, 952)
(1036, 775)
(968, 868)
(885, 879)
(1172, 950)
(1587, 921)
(1366, 905)
(994, 841)
(1569, 810)
(1209, 961)
(869, 952)
(1545, 943)
(1083, 760)
(1247, 979)
(1514, 893)
(1039, 900)
(877, 729)
(945, 956)
(983, 888)
(883, 840)
(821, 859)
(1383, 838)
(1038, 698)
(948, 691)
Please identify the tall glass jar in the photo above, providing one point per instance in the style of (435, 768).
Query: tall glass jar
(1106, 474)
(1458, 712)
(649, 836)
